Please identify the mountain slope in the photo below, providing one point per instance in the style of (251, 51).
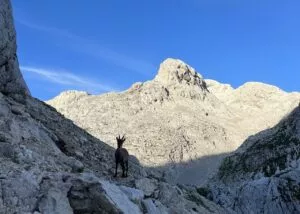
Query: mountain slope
(263, 175)
(171, 119)
(49, 165)
(178, 118)
(260, 105)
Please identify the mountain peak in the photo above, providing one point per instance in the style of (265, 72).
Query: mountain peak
(174, 71)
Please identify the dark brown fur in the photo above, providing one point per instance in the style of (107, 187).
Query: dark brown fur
(121, 157)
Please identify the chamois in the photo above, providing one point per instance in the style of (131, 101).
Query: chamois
(121, 157)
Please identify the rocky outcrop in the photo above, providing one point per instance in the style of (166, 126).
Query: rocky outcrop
(263, 174)
(11, 80)
(175, 71)
(39, 151)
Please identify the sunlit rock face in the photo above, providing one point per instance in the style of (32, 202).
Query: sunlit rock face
(11, 80)
(175, 71)
(179, 121)
(169, 120)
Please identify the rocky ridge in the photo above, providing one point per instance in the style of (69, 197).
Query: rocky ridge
(179, 121)
(261, 105)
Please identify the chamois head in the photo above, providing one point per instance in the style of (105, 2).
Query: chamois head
(120, 141)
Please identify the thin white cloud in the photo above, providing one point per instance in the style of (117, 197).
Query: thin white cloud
(51, 30)
(87, 47)
(67, 78)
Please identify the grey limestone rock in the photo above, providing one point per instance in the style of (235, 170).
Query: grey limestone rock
(11, 79)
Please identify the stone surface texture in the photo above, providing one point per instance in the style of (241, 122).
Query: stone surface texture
(178, 121)
(11, 79)
(48, 165)
(263, 175)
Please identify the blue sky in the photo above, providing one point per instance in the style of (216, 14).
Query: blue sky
(107, 45)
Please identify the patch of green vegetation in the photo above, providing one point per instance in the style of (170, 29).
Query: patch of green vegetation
(291, 187)
(226, 167)
(276, 153)
(244, 163)
(80, 170)
(267, 154)
(203, 191)
(280, 138)
(270, 166)
(296, 193)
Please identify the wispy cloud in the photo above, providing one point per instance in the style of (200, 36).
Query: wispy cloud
(51, 30)
(93, 49)
(67, 78)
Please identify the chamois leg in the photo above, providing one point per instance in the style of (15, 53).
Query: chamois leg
(123, 169)
(126, 169)
(116, 172)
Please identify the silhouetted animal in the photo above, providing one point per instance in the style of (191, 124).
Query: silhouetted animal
(121, 157)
